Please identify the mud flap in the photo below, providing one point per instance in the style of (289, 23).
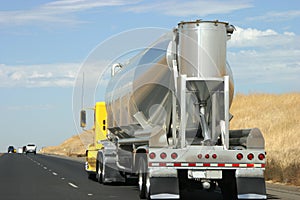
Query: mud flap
(110, 172)
(250, 184)
(164, 188)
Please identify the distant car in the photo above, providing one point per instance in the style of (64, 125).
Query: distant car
(30, 148)
(11, 149)
(20, 150)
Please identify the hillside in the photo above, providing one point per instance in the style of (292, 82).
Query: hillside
(277, 116)
(74, 146)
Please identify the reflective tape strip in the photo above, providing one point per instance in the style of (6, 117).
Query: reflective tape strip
(184, 164)
(224, 165)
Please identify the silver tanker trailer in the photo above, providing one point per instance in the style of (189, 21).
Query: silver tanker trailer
(168, 120)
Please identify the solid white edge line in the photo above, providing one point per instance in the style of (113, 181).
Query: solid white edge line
(73, 185)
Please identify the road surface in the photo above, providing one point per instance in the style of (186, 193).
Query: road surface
(47, 177)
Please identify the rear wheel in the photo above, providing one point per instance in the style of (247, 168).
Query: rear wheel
(100, 170)
(144, 179)
(92, 176)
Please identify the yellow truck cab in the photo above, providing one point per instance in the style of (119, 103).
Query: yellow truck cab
(100, 118)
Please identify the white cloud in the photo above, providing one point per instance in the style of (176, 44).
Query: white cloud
(190, 7)
(251, 37)
(64, 11)
(79, 5)
(276, 16)
(53, 75)
(47, 75)
(61, 11)
(265, 58)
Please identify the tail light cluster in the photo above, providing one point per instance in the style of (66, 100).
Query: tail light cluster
(174, 156)
(239, 156)
(250, 156)
(163, 155)
(207, 156)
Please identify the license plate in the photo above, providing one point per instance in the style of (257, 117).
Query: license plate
(208, 174)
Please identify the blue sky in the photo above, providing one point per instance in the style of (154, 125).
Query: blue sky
(44, 43)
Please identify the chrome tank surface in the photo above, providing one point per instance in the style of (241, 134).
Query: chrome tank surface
(142, 90)
(145, 85)
(202, 51)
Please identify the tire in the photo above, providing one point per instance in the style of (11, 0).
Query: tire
(143, 178)
(92, 177)
(100, 170)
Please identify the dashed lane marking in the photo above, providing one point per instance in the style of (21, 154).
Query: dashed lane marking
(73, 185)
(55, 174)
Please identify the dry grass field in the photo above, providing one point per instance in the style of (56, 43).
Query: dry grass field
(278, 117)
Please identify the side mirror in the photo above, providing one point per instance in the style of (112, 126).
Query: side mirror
(82, 119)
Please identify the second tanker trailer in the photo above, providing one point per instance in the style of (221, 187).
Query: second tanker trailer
(168, 120)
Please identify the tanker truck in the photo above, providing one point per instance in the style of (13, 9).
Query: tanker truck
(168, 120)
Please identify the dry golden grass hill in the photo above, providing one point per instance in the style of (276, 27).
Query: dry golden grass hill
(277, 116)
(74, 146)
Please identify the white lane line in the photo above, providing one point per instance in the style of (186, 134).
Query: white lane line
(50, 170)
(45, 167)
(62, 178)
(55, 174)
(73, 185)
(90, 194)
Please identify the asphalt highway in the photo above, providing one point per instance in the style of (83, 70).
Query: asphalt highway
(48, 177)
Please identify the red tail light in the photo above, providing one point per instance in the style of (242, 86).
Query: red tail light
(152, 155)
(199, 156)
(214, 156)
(261, 156)
(206, 156)
(163, 155)
(239, 156)
(174, 155)
(250, 156)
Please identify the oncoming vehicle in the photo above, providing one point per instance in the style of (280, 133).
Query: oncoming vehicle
(30, 148)
(11, 149)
